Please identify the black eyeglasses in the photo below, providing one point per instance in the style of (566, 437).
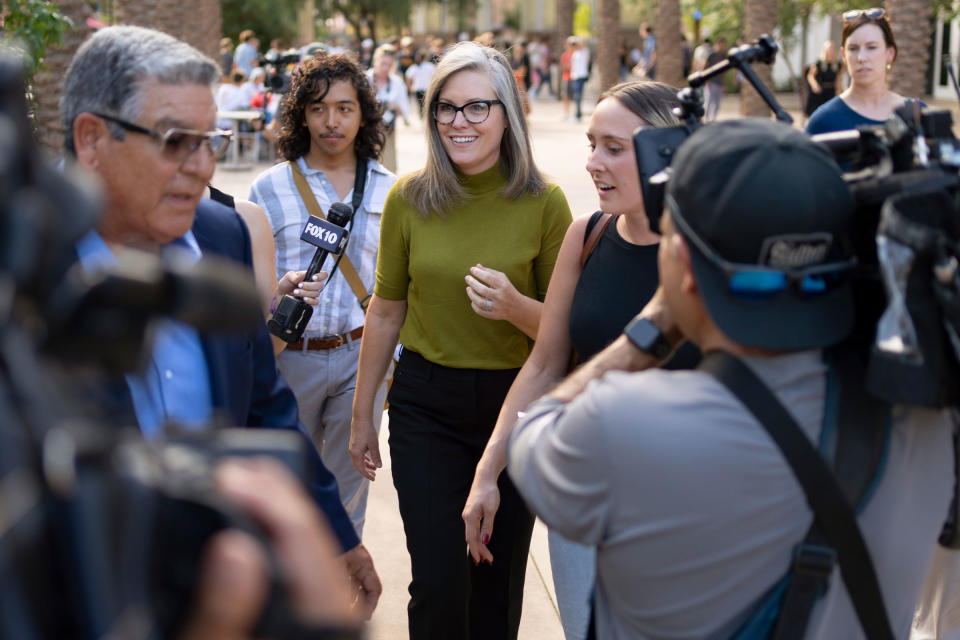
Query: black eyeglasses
(760, 283)
(475, 111)
(178, 144)
(874, 14)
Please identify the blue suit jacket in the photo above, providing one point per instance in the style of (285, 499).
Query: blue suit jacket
(244, 381)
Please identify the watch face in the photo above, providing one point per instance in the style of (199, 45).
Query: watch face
(644, 334)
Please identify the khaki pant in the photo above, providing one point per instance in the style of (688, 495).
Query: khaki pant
(324, 382)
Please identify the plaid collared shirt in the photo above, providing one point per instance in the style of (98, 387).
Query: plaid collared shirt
(275, 191)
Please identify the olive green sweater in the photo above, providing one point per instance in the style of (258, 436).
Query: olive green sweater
(425, 260)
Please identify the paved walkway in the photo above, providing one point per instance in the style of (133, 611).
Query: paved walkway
(560, 148)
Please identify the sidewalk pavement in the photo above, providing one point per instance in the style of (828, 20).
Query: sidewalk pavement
(560, 148)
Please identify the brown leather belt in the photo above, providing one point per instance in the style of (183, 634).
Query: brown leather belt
(328, 342)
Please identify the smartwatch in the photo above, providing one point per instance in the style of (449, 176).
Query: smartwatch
(647, 337)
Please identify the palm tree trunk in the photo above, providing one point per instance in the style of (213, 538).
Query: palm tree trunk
(204, 28)
(201, 29)
(760, 17)
(669, 45)
(565, 10)
(47, 85)
(913, 29)
(608, 39)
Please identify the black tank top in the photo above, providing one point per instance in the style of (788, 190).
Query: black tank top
(617, 280)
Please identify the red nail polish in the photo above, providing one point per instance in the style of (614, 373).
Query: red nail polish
(485, 538)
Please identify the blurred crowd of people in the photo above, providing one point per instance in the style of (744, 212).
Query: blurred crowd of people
(407, 64)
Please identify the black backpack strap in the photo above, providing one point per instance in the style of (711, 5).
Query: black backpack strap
(359, 184)
(809, 577)
(833, 515)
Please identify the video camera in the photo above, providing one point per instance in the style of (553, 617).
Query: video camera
(904, 179)
(277, 79)
(102, 532)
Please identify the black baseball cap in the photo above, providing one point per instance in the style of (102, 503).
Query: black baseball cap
(768, 218)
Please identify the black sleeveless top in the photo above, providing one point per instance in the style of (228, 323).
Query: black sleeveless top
(617, 280)
(826, 76)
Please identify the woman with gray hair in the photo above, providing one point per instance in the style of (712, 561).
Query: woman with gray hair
(467, 247)
(606, 273)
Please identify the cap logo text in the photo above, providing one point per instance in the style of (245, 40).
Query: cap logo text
(798, 250)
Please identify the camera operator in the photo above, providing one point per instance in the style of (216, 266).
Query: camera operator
(138, 111)
(693, 508)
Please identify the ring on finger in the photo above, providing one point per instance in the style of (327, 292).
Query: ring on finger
(488, 303)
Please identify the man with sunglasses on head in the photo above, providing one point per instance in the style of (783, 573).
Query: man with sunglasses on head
(138, 111)
(694, 510)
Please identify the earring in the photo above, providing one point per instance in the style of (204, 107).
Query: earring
(889, 66)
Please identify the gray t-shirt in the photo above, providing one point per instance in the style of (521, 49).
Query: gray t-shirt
(693, 509)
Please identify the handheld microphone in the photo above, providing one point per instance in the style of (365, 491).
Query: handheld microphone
(329, 236)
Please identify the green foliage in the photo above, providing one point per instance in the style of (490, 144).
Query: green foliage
(269, 19)
(365, 16)
(646, 10)
(581, 20)
(32, 26)
(394, 13)
(511, 18)
(721, 18)
(791, 16)
(948, 9)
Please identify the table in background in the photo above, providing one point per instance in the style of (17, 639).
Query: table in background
(233, 153)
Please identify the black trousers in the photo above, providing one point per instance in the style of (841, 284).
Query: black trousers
(440, 421)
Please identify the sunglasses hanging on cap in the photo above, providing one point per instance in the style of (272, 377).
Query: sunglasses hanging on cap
(756, 282)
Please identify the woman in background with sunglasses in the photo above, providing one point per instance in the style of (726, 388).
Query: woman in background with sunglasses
(868, 50)
(467, 247)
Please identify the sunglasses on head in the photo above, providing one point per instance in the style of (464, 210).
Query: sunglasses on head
(177, 144)
(750, 281)
(873, 14)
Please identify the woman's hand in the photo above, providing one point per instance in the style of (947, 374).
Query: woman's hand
(478, 514)
(292, 284)
(493, 296)
(364, 448)
(491, 293)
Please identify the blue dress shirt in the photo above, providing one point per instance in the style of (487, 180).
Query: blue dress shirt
(175, 386)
